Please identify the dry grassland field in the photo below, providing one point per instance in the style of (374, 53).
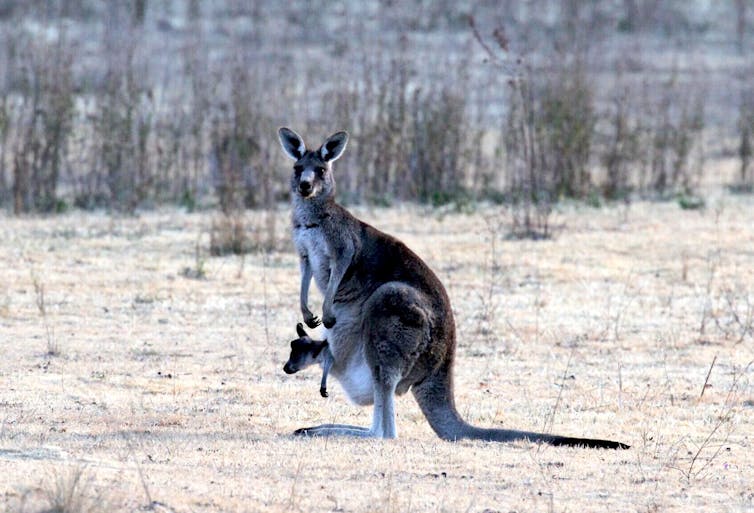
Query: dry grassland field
(139, 373)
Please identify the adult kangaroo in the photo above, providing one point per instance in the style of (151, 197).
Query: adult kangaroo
(389, 323)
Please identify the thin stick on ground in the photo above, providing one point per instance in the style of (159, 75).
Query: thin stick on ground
(292, 497)
(150, 502)
(706, 380)
(551, 418)
(725, 416)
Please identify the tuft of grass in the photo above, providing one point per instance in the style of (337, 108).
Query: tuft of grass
(69, 491)
(198, 272)
(228, 236)
(53, 348)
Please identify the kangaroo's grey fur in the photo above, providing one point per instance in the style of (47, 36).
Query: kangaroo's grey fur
(306, 352)
(389, 323)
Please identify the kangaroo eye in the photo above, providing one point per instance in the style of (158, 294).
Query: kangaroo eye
(320, 171)
(298, 168)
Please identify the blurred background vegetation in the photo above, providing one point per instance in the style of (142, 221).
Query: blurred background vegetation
(127, 104)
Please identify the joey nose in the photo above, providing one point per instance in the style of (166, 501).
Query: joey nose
(288, 369)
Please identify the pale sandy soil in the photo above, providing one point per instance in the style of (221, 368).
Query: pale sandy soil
(169, 390)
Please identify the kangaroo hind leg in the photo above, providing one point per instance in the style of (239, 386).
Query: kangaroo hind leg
(395, 326)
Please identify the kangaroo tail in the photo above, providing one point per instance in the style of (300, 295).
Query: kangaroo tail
(435, 398)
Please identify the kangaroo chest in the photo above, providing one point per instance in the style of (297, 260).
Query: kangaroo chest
(311, 244)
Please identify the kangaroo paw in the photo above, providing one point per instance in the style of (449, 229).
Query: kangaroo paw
(313, 321)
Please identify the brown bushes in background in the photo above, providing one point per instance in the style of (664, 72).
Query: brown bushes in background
(130, 104)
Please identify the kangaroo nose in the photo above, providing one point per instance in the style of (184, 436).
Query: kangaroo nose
(287, 369)
(305, 187)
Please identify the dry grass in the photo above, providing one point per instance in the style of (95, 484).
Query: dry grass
(169, 391)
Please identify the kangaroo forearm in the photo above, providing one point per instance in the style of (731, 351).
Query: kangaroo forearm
(304, 299)
(336, 276)
(306, 279)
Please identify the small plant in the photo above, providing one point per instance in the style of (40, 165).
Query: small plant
(198, 272)
(69, 492)
(53, 349)
(691, 202)
(228, 235)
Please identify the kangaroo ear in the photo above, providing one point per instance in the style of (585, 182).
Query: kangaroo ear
(334, 146)
(300, 330)
(293, 144)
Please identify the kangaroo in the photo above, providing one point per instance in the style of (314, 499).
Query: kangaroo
(390, 327)
(306, 352)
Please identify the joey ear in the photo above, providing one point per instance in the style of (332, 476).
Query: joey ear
(293, 144)
(334, 146)
(300, 330)
(318, 347)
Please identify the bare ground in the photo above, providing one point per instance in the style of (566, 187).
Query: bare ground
(161, 390)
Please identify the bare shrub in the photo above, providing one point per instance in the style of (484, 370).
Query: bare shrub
(436, 162)
(242, 232)
(412, 143)
(621, 151)
(5, 123)
(43, 124)
(240, 178)
(123, 123)
(677, 123)
(529, 187)
(746, 142)
(741, 6)
(382, 132)
(228, 235)
(665, 16)
(529, 191)
(233, 179)
(565, 127)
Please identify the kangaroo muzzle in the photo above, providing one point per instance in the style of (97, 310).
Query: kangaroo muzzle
(305, 188)
(306, 183)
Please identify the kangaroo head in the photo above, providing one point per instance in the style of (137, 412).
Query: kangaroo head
(304, 353)
(312, 172)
